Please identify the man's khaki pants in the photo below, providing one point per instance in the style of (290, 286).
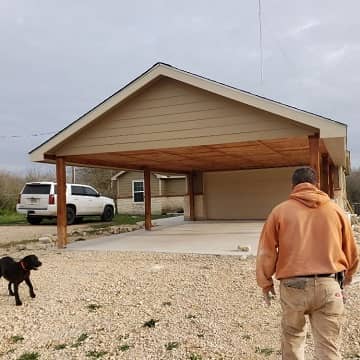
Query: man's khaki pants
(320, 298)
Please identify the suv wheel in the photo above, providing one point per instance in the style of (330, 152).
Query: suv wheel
(108, 213)
(70, 215)
(34, 220)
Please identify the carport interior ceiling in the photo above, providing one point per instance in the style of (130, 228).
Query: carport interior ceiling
(219, 157)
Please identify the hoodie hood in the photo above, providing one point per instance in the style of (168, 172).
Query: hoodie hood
(309, 195)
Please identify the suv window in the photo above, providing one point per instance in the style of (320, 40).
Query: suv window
(37, 189)
(90, 192)
(77, 190)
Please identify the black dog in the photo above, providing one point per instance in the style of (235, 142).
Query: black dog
(17, 272)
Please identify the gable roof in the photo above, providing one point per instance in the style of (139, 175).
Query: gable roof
(328, 128)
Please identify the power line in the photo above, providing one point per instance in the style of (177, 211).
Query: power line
(14, 136)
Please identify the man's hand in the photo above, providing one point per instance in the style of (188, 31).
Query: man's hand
(269, 294)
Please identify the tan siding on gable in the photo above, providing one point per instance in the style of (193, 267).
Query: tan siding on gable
(172, 114)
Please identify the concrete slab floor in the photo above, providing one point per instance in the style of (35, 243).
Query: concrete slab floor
(174, 235)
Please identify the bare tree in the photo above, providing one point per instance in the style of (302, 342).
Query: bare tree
(35, 174)
(353, 185)
(100, 179)
(10, 187)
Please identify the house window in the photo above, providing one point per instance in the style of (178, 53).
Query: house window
(138, 191)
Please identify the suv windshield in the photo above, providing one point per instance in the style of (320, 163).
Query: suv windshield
(37, 189)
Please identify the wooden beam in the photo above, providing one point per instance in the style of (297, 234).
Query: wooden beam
(190, 188)
(331, 181)
(61, 203)
(325, 173)
(147, 188)
(314, 148)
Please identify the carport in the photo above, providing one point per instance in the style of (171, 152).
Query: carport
(223, 139)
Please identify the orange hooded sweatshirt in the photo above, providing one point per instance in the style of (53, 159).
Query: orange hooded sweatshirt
(307, 234)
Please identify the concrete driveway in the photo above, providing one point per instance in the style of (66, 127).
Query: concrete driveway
(174, 235)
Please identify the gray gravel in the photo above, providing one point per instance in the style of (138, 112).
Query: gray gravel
(208, 306)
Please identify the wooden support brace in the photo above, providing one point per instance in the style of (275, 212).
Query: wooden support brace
(325, 173)
(61, 203)
(314, 145)
(147, 188)
(331, 181)
(190, 186)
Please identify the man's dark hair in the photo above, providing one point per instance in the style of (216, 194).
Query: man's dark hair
(304, 174)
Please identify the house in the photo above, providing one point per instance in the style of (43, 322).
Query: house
(236, 149)
(167, 192)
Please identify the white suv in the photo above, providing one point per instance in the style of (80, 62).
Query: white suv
(37, 201)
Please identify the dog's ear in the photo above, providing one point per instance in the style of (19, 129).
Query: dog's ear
(31, 262)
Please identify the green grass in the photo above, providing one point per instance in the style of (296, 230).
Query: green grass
(124, 347)
(172, 345)
(264, 351)
(194, 356)
(16, 338)
(93, 307)
(60, 346)
(11, 218)
(29, 356)
(96, 354)
(80, 340)
(122, 219)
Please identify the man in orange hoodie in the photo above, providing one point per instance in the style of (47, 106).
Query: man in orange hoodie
(305, 242)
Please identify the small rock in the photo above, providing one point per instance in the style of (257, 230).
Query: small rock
(20, 247)
(79, 239)
(243, 248)
(45, 240)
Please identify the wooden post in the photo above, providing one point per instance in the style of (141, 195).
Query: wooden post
(331, 181)
(190, 188)
(325, 173)
(61, 202)
(314, 145)
(147, 188)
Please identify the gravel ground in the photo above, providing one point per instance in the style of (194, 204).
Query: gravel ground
(94, 305)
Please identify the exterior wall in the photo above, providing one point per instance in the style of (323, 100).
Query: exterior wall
(247, 194)
(172, 204)
(340, 195)
(127, 206)
(124, 183)
(169, 114)
(159, 205)
(167, 194)
(173, 187)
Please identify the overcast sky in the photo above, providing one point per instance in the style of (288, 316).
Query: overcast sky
(58, 59)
